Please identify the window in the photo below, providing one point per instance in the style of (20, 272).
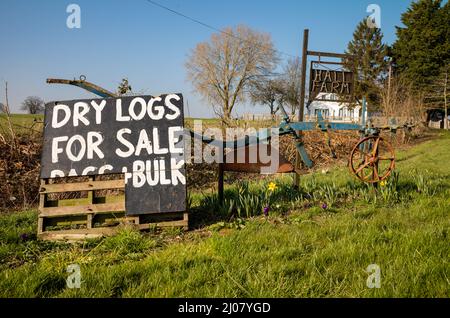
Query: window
(325, 112)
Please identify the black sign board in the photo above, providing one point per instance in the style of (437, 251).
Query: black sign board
(140, 136)
(339, 83)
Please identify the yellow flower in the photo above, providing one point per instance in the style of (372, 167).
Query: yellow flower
(272, 186)
(383, 183)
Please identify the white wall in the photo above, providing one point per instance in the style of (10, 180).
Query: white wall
(333, 110)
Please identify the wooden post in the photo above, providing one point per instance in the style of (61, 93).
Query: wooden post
(302, 99)
(42, 205)
(186, 221)
(220, 183)
(90, 221)
(40, 226)
(389, 84)
(91, 193)
(91, 198)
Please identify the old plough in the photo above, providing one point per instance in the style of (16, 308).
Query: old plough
(371, 160)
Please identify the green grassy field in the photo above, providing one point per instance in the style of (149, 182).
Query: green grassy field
(304, 248)
(23, 122)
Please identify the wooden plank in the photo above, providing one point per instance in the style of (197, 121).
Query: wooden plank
(328, 54)
(328, 62)
(40, 226)
(84, 209)
(179, 223)
(186, 220)
(80, 234)
(90, 218)
(42, 196)
(49, 236)
(82, 186)
(89, 233)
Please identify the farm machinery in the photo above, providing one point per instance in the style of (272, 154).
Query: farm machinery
(371, 160)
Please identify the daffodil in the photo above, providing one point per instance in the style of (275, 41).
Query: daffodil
(383, 183)
(272, 186)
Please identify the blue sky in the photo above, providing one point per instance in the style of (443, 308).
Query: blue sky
(150, 46)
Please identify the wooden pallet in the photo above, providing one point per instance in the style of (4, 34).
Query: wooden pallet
(95, 215)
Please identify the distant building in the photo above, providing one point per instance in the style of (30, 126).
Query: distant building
(327, 104)
(332, 109)
(436, 118)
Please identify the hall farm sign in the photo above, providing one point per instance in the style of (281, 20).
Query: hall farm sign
(133, 145)
(339, 83)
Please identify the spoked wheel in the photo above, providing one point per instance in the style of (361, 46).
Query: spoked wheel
(372, 160)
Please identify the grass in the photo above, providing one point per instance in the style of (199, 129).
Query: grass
(22, 123)
(303, 249)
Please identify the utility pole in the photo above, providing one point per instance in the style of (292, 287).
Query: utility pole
(389, 85)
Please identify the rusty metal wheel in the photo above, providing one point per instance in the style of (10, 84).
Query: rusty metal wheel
(372, 160)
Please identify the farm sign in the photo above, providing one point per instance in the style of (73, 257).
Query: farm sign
(139, 136)
(331, 82)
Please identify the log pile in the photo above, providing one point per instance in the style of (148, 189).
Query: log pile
(20, 164)
(19, 171)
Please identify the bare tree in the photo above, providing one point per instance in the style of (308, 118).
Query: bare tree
(2, 108)
(291, 84)
(280, 91)
(33, 105)
(222, 68)
(400, 99)
(268, 92)
(6, 110)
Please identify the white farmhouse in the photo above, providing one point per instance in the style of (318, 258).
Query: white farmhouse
(332, 109)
